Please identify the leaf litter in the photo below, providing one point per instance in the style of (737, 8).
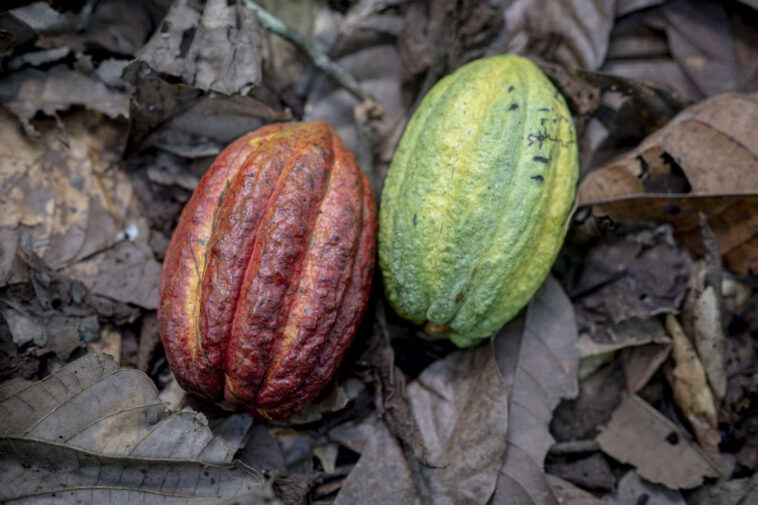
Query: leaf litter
(92, 188)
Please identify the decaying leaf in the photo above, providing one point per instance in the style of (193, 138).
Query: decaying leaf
(29, 91)
(184, 120)
(641, 363)
(670, 178)
(632, 490)
(639, 435)
(92, 431)
(218, 49)
(574, 34)
(701, 41)
(691, 391)
(590, 472)
(63, 189)
(637, 275)
(732, 492)
(568, 494)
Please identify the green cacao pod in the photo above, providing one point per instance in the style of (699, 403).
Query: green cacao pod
(476, 200)
(269, 270)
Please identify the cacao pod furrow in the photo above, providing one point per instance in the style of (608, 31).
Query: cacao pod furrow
(277, 258)
(350, 313)
(186, 259)
(322, 284)
(232, 242)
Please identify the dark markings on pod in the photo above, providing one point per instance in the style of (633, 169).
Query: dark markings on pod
(513, 106)
(538, 178)
(541, 159)
(510, 88)
(543, 109)
(414, 220)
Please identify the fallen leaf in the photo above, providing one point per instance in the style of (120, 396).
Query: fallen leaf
(669, 178)
(701, 42)
(185, 120)
(591, 472)
(109, 343)
(632, 490)
(63, 188)
(568, 494)
(127, 273)
(218, 49)
(600, 393)
(539, 363)
(92, 428)
(29, 91)
(282, 61)
(382, 474)
(637, 275)
(639, 435)
(574, 34)
(464, 435)
(110, 25)
(702, 313)
(641, 363)
(440, 36)
(691, 391)
(742, 491)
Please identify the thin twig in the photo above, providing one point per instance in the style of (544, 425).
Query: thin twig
(275, 25)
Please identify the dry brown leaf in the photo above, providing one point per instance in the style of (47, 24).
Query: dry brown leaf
(590, 472)
(218, 49)
(574, 33)
(641, 363)
(701, 42)
(632, 490)
(539, 363)
(742, 491)
(691, 391)
(568, 494)
(639, 435)
(29, 91)
(704, 160)
(63, 188)
(702, 312)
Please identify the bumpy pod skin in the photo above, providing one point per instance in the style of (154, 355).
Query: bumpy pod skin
(269, 270)
(477, 197)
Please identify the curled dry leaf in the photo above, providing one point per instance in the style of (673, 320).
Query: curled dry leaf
(93, 432)
(691, 392)
(639, 435)
(670, 178)
(702, 313)
(184, 120)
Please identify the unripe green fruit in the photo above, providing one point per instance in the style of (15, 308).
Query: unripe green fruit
(475, 204)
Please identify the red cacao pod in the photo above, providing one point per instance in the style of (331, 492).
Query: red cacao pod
(269, 270)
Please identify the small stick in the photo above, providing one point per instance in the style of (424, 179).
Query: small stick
(275, 25)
